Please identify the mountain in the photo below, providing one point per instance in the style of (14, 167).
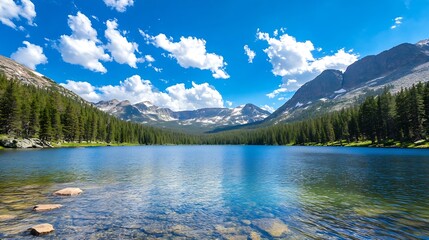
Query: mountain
(200, 120)
(26, 76)
(35, 112)
(399, 67)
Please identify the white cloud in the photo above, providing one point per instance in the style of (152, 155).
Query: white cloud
(156, 69)
(190, 52)
(250, 54)
(83, 89)
(228, 103)
(119, 5)
(294, 61)
(398, 22)
(268, 108)
(14, 10)
(135, 89)
(31, 55)
(82, 47)
(274, 93)
(122, 50)
(276, 33)
(149, 58)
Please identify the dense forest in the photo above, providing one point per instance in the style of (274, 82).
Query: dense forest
(31, 112)
(383, 120)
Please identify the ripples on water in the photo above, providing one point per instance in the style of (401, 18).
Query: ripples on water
(218, 192)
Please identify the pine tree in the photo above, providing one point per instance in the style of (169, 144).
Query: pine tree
(368, 118)
(45, 125)
(417, 116)
(70, 124)
(10, 119)
(33, 128)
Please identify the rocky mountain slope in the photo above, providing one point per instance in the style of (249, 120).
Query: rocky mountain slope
(199, 120)
(27, 76)
(399, 67)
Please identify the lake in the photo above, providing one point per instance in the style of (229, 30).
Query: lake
(225, 192)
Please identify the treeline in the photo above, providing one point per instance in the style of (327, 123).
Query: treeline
(30, 112)
(385, 120)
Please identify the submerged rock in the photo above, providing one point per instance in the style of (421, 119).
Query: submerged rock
(6, 217)
(255, 236)
(181, 230)
(46, 207)
(40, 229)
(68, 192)
(246, 222)
(224, 230)
(235, 237)
(274, 227)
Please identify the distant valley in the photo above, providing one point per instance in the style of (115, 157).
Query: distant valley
(196, 121)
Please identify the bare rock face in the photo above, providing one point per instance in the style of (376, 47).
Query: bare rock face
(41, 229)
(371, 67)
(68, 192)
(274, 227)
(46, 207)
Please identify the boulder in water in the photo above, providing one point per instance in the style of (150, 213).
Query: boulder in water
(46, 207)
(68, 192)
(41, 229)
(274, 227)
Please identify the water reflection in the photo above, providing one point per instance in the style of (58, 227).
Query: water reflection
(218, 192)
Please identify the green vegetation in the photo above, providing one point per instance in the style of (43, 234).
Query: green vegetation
(27, 111)
(385, 120)
(92, 144)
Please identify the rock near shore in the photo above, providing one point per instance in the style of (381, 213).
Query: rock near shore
(46, 207)
(41, 229)
(68, 192)
(24, 143)
(274, 227)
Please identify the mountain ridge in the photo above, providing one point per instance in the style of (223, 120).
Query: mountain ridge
(395, 68)
(199, 120)
(27, 76)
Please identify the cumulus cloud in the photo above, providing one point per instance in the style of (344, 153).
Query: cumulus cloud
(11, 10)
(149, 58)
(268, 108)
(119, 5)
(83, 89)
(398, 21)
(82, 47)
(31, 55)
(274, 93)
(250, 54)
(190, 52)
(135, 89)
(294, 61)
(228, 103)
(122, 50)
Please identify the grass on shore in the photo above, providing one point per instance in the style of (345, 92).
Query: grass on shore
(91, 144)
(388, 144)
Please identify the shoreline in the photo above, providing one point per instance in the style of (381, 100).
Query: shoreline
(363, 144)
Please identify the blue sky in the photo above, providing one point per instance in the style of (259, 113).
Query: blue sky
(190, 54)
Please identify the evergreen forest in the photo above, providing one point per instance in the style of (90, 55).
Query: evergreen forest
(27, 111)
